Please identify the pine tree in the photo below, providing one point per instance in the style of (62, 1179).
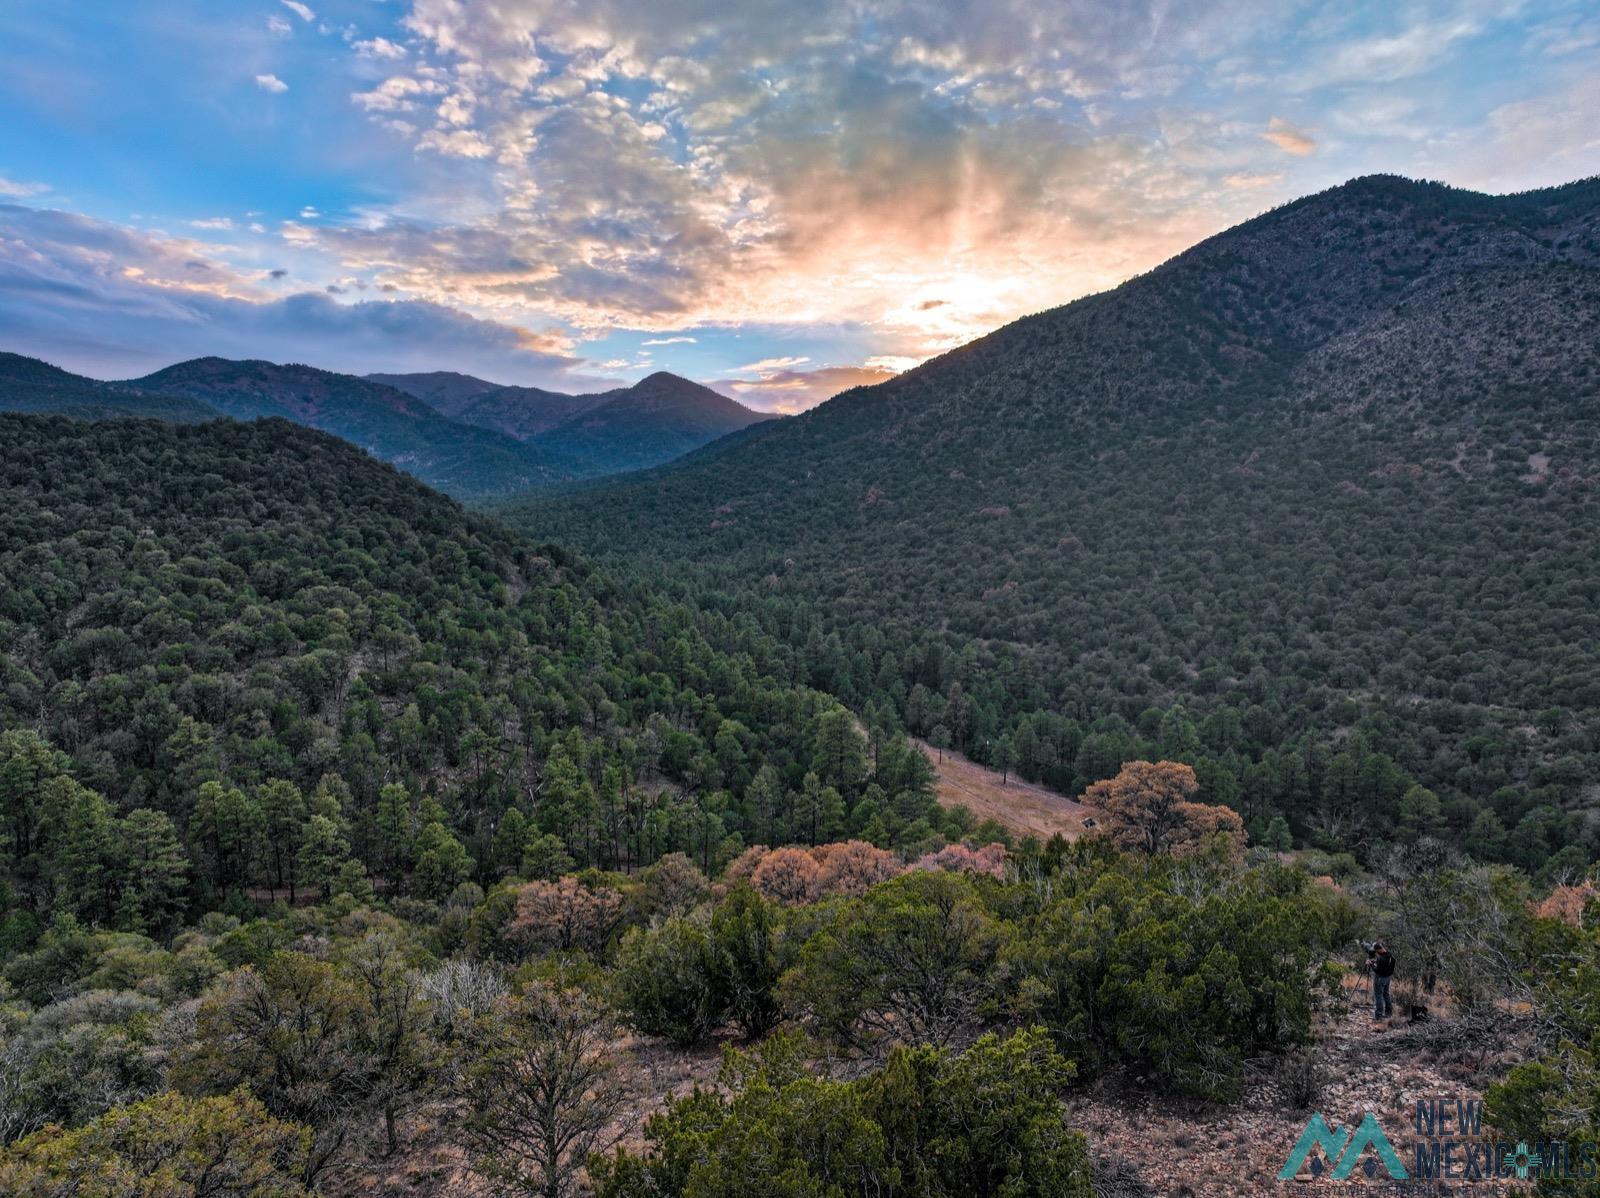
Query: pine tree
(152, 870)
(763, 800)
(838, 755)
(79, 834)
(510, 836)
(227, 823)
(323, 849)
(283, 814)
(394, 831)
(442, 862)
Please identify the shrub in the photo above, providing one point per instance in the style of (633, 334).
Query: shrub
(987, 1122)
(911, 961)
(169, 1145)
(750, 951)
(663, 982)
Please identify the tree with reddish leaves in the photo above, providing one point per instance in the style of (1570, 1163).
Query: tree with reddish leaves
(1149, 807)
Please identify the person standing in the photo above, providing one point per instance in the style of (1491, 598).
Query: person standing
(1381, 962)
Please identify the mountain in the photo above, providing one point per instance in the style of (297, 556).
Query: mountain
(29, 385)
(444, 390)
(528, 412)
(262, 582)
(1325, 484)
(461, 459)
(629, 428)
(659, 418)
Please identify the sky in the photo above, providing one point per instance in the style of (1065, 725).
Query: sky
(779, 199)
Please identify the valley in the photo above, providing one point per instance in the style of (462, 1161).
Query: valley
(986, 782)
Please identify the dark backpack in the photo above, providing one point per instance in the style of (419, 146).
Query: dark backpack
(1383, 964)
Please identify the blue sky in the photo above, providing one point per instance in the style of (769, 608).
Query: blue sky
(778, 199)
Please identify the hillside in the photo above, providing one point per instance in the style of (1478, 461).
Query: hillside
(29, 385)
(444, 390)
(461, 459)
(657, 419)
(239, 602)
(526, 412)
(1316, 496)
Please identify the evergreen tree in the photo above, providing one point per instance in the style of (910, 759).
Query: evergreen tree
(152, 872)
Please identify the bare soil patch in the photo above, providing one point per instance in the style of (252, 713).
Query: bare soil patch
(1028, 809)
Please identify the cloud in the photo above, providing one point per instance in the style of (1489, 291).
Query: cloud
(1389, 58)
(459, 143)
(1289, 139)
(18, 191)
(299, 10)
(114, 302)
(790, 391)
(379, 47)
(1541, 141)
(769, 365)
(669, 341)
(271, 83)
(765, 164)
(1244, 181)
(398, 93)
(212, 222)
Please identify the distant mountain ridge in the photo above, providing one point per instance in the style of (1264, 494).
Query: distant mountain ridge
(659, 418)
(445, 390)
(465, 436)
(460, 459)
(29, 385)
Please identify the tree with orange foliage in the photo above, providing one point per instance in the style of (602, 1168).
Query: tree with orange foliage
(1149, 807)
(565, 914)
(960, 858)
(1568, 903)
(789, 875)
(853, 867)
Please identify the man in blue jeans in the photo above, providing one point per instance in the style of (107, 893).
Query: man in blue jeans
(1381, 961)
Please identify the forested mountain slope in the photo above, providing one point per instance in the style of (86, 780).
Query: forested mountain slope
(29, 385)
(458, 458)
(655, 420)
(659, 418)
(445, 390)
(1313, 505)
(221, 623)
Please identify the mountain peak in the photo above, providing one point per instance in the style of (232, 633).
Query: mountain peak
(660, 377)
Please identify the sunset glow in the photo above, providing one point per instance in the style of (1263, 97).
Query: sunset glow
(568, 194)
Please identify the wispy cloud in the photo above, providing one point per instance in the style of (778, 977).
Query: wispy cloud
(15, 190)
(379, 47)
(845, 182)
(769, 365)
(113, 301)
(790, 391)
(1289, 139)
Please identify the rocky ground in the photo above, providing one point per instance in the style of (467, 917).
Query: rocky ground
(1146, 1145)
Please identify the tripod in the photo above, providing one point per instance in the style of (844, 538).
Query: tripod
(1364, 985)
